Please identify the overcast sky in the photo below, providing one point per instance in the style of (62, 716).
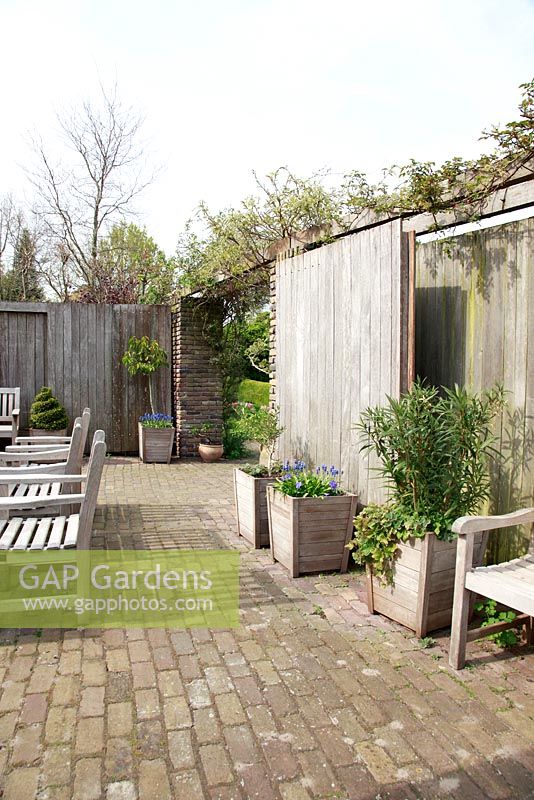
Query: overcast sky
(235, 85)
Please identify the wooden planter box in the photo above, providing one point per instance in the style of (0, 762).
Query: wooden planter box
(155, 444)
(423, 584)
(309, 534)
(251, 508)
(42, 432)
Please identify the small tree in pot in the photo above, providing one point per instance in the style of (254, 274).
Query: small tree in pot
(260, 425)
(145, 356)
(47, 416)
(434, 446)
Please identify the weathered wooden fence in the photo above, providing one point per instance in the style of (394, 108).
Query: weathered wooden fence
(343, 328)
(475, 327)
(342, 318)
(76, 349)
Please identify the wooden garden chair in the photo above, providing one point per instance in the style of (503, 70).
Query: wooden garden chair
(9, 413)
(62, 531)
(510, 583)
(15, 485)
(30, 443)
(22, 456)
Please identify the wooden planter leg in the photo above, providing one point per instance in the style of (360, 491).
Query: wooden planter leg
(269, 514)
(529, 630)
(423, 594)
(370, 596)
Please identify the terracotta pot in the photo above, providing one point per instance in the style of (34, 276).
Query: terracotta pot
(155, 444)
(210, 452)
(251, 508)
(421, 594)
(309, 534)
(41, 432)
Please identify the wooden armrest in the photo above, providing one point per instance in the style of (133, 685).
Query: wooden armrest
(35, 448)
(464, 525)
(28, 440)
(15, 412)
(43, 477)
(13, 503)
(34, 469)
(34, 455)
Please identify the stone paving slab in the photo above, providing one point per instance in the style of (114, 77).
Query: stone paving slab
(311, 697)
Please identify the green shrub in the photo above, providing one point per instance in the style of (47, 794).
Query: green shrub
(434, 447)
(507, 638)
(233, 440)
(256, 392)
(258, 424)
(47, 413)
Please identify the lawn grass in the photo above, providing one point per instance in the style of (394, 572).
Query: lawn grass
(254, 392)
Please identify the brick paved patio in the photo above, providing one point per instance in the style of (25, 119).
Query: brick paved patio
(310, 698)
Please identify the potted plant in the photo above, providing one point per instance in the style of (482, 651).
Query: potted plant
(156, 438)
(260, 425)
(47, 416)
(207, 449)
(145, 356)
(433, 446)
(310, 519)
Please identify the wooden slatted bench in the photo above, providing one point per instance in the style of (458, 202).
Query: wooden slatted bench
(46, 462)
(31, 443)
(9, 413)
(54, 532)
(511, 583)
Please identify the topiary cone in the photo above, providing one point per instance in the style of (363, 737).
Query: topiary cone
(47, 413)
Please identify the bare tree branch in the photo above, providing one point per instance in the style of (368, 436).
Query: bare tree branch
(93, 187)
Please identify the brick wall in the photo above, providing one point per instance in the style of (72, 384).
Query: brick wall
(197, 387)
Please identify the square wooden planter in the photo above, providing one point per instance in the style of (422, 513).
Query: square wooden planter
(251, 508)
(309, 534)
(423, 583)
(155, 444)
(42, 432)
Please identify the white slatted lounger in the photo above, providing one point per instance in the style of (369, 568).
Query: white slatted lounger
(72, 465)
(9, 412)
(31, 444)
(50, 474)
(62, 531)
(511, 583)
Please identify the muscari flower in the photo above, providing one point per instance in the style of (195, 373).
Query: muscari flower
(298, 485)
(333, 484)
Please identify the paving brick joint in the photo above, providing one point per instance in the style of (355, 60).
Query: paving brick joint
(310, 697)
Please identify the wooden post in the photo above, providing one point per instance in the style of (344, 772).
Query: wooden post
(411, 307)
(460, 609)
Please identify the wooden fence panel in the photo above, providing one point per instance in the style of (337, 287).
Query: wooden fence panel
(475, 327)
(23, 355)
(339, 334)
(76, 349)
